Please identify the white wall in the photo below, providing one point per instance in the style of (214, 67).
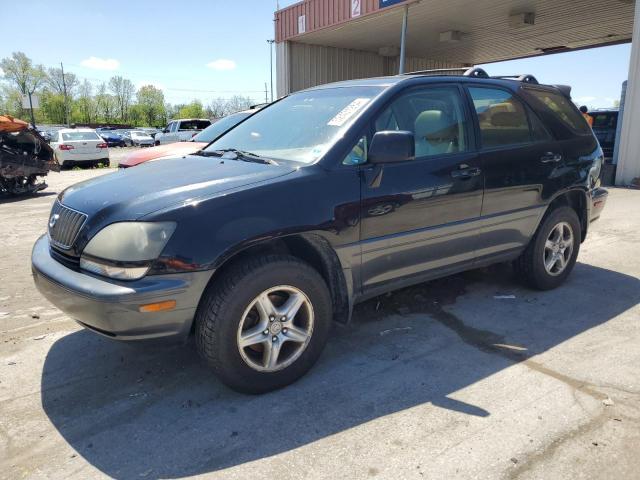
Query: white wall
(629, 156)
(301, 66)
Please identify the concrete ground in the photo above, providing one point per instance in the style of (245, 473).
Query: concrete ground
(449, 379)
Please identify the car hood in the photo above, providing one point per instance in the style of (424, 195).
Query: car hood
(176, 148)
(130, 194)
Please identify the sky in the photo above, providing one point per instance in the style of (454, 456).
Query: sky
(218, 48)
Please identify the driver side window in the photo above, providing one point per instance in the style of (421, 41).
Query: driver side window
(435, 116)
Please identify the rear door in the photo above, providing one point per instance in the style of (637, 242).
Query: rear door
(520, 159)
(420, 217)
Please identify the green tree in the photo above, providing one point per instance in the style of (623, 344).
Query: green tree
(84, 109)
(56, 84)
(53, 107)
(192, 110)
(105, 104)
(123, 91)
(151, 103)
(11, 101)
(64, 85)
(20, 71)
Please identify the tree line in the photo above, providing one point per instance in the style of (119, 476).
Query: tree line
(66, 99)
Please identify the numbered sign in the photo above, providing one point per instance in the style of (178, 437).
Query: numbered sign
(356, 8)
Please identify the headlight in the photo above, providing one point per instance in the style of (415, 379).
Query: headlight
(126, 250)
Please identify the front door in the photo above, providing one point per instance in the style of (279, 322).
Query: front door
(419, 217)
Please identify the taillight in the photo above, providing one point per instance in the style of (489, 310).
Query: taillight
(102, 145)
(66, 147)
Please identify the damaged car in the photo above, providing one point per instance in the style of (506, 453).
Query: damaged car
(25, 156)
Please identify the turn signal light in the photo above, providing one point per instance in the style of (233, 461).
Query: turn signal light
(158, 307)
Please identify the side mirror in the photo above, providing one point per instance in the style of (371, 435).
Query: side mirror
(166, 130)
(392, 146)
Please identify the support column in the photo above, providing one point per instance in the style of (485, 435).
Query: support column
(629, 158)
(403, 39)
(283, 69)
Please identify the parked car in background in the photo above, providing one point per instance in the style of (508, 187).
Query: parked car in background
(137, 138)
(605, 122)
(181, 130)
(152, 132)
(112, 138)
(198, 142)
(283, 223)
(80, 146)
(45, 134)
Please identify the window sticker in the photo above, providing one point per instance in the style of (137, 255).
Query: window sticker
(347, 112)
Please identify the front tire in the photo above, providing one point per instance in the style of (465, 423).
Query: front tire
(264, 323)
(552, 253)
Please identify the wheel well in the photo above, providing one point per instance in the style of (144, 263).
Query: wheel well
(575, 199)
(312, 249)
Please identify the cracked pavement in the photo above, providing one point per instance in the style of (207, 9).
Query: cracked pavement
(440, 380)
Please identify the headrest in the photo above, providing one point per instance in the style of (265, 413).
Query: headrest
(433, 125)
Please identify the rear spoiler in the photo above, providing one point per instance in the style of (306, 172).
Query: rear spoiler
(565, 90)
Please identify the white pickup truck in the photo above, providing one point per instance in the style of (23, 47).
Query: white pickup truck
(181, 130)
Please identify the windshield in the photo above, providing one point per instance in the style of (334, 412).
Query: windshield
(301, 127)
(71, 136)
(209, 134)
(138, 134)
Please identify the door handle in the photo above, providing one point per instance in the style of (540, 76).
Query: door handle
(550, 157)
(464, 171)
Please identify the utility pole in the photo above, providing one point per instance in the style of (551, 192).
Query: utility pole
(266, 93)
(271, 42)
(33, 117)
(64, 88)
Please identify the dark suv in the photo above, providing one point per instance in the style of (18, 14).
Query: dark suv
(321, 200)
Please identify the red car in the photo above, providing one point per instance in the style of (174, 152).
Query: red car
(198, 142)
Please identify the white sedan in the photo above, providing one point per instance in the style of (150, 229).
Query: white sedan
(79, 146)
(138, 138)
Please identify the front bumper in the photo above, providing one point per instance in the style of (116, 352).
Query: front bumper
(111, 307)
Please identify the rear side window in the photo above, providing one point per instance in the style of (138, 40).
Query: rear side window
(194, 125)
(71, 136)
(562, 109)
(502, 117)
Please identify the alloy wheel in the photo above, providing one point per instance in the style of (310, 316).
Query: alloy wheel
(275, 329)
(558, 249)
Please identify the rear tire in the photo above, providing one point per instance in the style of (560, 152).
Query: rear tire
(552, 252)
(239, 303)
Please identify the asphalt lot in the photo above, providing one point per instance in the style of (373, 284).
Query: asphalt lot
(448, 379)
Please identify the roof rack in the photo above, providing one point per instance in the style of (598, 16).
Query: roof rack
(475, 72)
(524, 78)
(464, 71)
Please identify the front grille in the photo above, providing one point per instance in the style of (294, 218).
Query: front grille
(68, 261)
(64, 225)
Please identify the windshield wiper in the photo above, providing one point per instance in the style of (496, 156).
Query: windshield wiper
(239, 155)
